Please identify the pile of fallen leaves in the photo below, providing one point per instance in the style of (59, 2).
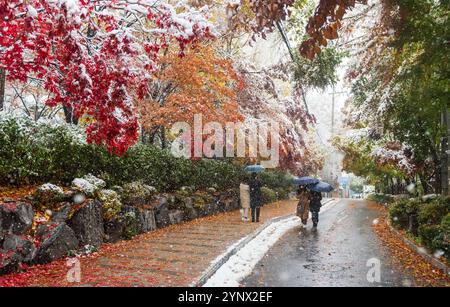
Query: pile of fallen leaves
(55, 274)
(93, 274)
(407, 259)
(16, 192)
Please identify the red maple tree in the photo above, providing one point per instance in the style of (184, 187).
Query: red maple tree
(95, 57)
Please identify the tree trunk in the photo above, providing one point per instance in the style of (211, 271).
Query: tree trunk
(445, 161)
(151, 138)
(143, 136)
(437, 179)
(435, 154)
(424, 184)
(386, 186)
(391, 186)
(2, 88)
(163, 138)
(70, 117)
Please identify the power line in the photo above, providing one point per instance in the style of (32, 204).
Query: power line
(291, 53)
(303, 94)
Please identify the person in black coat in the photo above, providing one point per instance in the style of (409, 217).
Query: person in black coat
(314, 206)
(255, 197)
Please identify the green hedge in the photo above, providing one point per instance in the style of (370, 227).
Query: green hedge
(268, 195)
(276, 179)
(431, 213)
(35, 153)
(433, 218)
(400, 211)
(380, 198)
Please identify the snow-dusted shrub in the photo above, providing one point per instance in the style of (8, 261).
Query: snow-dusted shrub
(198, 201)
(186, 191)
(48, 194)
(88, 185)
(131, 225)
(83, 186)
(17, 163)
(118, 189)
(37, 152)
(111, 204)
(152, 190)
(96, 182)
(137, 193)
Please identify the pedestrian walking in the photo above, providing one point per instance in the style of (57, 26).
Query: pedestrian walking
(315, 204)
(255, 197)
(244, 189)
(303, 204)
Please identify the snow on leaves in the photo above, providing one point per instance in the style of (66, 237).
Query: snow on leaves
(322, 26)
(325, 24)
(95, 57)
(396, 153)
(264, 14)
(261, 102)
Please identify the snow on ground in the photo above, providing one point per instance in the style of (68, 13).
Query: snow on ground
(242, 263)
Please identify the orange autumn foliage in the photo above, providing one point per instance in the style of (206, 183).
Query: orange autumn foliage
(199, 83)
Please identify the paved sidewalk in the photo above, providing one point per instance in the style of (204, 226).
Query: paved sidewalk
(174, 256)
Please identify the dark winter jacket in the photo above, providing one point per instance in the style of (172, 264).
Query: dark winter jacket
(255, 193)
(314, 201)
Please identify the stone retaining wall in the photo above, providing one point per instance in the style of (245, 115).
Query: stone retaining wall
(81, 227)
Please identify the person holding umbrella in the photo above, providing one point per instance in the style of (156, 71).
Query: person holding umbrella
(303, 195)
(315, 200)
(255, 197)
(255, 191)
(303, 204)
(315, 204)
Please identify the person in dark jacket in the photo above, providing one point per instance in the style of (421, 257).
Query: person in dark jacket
(314, 206)
(255, 197)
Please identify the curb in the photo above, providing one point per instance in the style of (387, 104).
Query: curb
(218, 264)
(419, 250)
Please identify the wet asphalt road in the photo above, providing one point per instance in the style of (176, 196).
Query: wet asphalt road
(336, 255)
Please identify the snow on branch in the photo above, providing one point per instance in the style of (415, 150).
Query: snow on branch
(96, 57)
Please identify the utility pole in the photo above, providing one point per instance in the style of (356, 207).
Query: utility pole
(333, 120)
(333, 108)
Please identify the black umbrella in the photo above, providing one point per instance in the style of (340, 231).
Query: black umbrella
(305, 180)
(322, 187)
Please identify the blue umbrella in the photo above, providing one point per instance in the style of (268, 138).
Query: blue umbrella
(254, 169)
(322, 187)
(305, 180)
